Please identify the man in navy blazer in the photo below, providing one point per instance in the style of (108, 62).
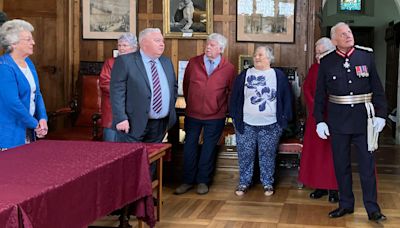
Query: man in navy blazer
(143, 91)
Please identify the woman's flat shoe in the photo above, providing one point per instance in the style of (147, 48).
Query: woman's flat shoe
(241, 190)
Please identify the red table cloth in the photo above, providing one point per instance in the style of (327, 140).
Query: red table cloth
(70, 184)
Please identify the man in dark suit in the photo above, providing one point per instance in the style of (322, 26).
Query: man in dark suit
(143, 91)
(349, 85)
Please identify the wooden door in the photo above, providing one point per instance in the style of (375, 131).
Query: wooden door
(50, 51)
(392, 64)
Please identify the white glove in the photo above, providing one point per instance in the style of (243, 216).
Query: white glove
(378, 123)
(323, 130)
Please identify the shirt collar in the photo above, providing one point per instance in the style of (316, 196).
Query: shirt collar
(216, 60)
(146, 58)
(345, 55)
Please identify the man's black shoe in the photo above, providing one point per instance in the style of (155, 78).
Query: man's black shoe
(376, 216)
(339, 212)
(318, 193)
(333, 196)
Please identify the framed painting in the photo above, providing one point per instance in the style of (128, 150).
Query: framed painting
(187, 19)
(108, 19)
(265, 21)
(181, 72)
(115, 53)
(245, 62)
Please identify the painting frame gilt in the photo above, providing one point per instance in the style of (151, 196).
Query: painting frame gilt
(108, 19)
(177, 14)
(268, 21)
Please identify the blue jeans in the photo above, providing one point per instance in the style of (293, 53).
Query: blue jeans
(109, 135)
(195, 169)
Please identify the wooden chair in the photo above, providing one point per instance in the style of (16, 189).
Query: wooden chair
(84, 109)
(291, 144)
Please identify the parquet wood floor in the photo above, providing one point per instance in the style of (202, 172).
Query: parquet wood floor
(289, 207)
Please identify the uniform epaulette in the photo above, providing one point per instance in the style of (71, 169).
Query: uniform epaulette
(364, 48)
(326, 53)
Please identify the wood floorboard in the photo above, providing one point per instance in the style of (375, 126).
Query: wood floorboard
(289, 207)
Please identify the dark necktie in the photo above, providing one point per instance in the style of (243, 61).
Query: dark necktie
(157, 98)
(211, 69)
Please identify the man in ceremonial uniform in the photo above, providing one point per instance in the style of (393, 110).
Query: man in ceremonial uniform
(349, 86)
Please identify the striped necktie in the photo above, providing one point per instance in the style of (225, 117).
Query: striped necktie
(157, 98)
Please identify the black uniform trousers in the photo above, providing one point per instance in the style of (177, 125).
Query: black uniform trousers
(341, 147)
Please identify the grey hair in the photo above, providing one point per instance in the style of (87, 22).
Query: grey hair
(130, 38)
(145, 32)
(326, 43)
(220, 39)
(10, 30)
(333, 29)
(268, 52)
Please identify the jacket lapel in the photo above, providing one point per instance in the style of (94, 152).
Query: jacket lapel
(139, 64)
(164, 65)
(18, 71)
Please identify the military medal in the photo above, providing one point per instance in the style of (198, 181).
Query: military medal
(362, 71)
(346, 64)
(365, 71)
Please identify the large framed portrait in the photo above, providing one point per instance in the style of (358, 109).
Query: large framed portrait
(187, 19)
(265, 21)
(108, 19)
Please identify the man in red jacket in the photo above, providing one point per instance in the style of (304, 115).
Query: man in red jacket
(207, 85)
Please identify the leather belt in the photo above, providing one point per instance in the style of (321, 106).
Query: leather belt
(352, 99)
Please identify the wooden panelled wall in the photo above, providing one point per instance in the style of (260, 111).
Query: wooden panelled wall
(50, 21)
(60, 47)
(150, 14)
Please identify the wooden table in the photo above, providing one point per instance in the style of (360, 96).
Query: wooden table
(156, 154)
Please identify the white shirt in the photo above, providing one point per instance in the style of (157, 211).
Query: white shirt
(259, 107)
(29, 76)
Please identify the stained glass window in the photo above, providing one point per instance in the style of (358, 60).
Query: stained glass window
(350, 5)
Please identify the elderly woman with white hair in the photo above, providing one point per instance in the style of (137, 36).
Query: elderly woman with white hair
(23, 113)
(207, 85)
(316, 163)
(260, 107)
(127, 43)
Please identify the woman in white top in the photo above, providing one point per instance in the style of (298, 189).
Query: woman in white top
(23, 113)
(261, 107)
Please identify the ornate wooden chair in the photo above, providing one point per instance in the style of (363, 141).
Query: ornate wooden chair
(84, 109)
(291, 144)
